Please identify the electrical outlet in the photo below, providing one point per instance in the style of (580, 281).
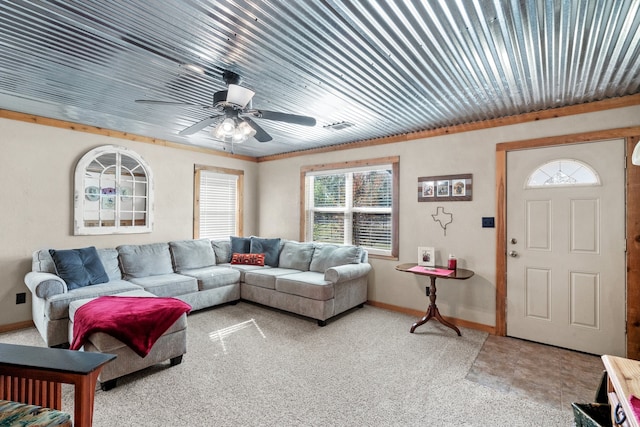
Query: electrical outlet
(21, 298)
(488, 222)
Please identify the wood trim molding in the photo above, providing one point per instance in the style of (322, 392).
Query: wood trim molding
(574, 138)
(632, 136)
(590, 107)
(633, 252)
(501, 243)
(350, 164)
(16, 326)
(197, 170)
(606, 104)
(395, 205)
(29, 118)
(418, 314)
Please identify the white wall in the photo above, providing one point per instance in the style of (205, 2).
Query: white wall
(37, 165)
(469, 152)
(36, 211)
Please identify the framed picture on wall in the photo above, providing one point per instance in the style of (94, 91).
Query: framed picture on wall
(445, 188)
(428, 189)
(426, 256)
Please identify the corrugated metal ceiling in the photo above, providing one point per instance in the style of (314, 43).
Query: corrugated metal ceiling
(387, 67)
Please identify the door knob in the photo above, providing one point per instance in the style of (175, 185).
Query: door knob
(513, 254)
(513, 241)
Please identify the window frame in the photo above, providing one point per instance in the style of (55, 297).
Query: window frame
(356, 165)
(84, 178)
(197, 173)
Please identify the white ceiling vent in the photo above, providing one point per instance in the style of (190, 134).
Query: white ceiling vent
(338, 125)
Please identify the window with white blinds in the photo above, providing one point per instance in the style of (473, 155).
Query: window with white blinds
(217, 203)
(353, 205)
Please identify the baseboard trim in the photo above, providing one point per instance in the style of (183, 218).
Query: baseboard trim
(16, 326)
(417, 313)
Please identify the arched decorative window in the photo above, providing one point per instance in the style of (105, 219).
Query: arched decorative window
(113, 192)
(563, 173)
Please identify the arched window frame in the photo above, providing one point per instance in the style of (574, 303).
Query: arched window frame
(582, 166)
(112, 196)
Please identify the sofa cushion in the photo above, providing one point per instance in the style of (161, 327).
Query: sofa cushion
(307, 284)
(79, 267)
(296, 255)
(243, 268)
(266, 278)
(145, 260)
(167, 285)
(222, 249)
(190, 254)
(109, 258)
(57, 306)
(269, 247)
(248, 259)
(240, 245)
(327, 256)
(41, 261)
(213, 277)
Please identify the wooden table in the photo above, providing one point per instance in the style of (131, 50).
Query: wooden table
(624, 381)
(34, 375)
(432, 311)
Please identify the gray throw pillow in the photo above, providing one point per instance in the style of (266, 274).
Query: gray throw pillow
(269, 247)
(190, 254)
(327, 256)
(79, 267)
(296, 255)
(222, 249)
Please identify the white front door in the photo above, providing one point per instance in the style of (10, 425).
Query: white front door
(566, 247)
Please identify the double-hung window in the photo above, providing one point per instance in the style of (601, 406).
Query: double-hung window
(353, 203)
(217, 202)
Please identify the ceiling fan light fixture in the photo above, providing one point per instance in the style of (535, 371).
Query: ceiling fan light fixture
(239, 95)
(227, 126)
(230, 129)
(243, 132)
(224, 129)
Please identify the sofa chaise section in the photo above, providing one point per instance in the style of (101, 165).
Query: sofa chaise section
(182, 269)
(51, 296)
(311, 279)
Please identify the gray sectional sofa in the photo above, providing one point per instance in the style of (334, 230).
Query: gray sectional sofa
(310, 279)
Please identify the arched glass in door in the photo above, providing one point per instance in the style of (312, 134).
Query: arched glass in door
(563, 173)
(113, 192)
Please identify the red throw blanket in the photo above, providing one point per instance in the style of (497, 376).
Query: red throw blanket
(136, 321)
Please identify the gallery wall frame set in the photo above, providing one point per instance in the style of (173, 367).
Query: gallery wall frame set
(445, 188)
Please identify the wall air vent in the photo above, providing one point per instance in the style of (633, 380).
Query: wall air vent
(338, 125)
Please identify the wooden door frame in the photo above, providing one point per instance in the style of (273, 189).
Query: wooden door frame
(631, 136)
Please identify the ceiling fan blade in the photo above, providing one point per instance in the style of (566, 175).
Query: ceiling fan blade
(199, 126)
(283, 117)
(261, 135)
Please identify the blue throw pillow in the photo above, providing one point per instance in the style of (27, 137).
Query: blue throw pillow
(79, 267)
(269, 247)
(240, 245)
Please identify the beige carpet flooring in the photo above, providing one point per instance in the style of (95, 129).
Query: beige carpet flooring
(248, 365)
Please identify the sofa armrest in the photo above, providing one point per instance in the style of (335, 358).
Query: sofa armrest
(45, 285)
(342, 273)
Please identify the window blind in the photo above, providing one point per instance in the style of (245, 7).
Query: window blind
(352, 207)
(218, 205)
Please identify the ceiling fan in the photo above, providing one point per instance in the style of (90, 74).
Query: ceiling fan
(233, 115)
